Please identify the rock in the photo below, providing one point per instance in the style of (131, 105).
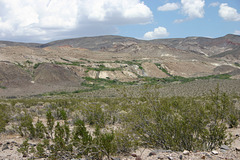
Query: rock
(138, 158)
(208, 155)
(170, 158)
(0, 144)
(114, 158)
(224, 147)
(186, 152)
(161, 157)
(163, 151)
(152, 153)
(5, 147)
(214, 152)
(203, 157)
(238, 149)
(181, 157)
(134, 155)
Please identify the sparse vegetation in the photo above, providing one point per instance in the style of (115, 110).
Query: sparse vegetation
(237, 64)
(3, 87)
(148, 121)
(36, 65)
(133, 62)
(4, 116)
(162, 68)
(103, 68)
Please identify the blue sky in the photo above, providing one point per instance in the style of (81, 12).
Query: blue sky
(210, 25)
(47, 20)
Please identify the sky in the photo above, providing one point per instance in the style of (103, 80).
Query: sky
(48, 20)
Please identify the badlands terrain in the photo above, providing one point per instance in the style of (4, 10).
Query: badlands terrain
(65, 65)
(113, 97)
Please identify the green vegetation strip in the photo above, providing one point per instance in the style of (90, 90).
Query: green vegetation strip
(183, 79)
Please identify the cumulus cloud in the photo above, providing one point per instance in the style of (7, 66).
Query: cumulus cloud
(228, 13)
(169, 7)
(193, 8)
(42, 20)
(237, 32)
(214, 4)
(159, 32)
(179, 20)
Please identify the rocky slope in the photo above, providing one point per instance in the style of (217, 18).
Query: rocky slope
(125, 59)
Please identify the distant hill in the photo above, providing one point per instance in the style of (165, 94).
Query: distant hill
(32, 68)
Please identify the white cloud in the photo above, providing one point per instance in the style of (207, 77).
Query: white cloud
(179, 20)
(169, 7)
(214, 4)
(159, 32)
(193, 8)
(237, 32)
(53, 19)
(228, 13)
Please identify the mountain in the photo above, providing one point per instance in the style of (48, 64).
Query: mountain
(31, 68)
(202, 45)
(9, 43)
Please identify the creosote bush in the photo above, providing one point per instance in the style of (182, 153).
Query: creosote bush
(103, 127)
(179, 123)
(4, 117)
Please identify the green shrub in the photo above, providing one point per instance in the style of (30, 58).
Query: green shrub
(50, 122)
(181, 123)
(36, 65)
(125, 142)
(26, 127)
(104, 145)
(94, 115)
(24, 148)
(40, 151)
(81, 138)
(61, 114)
(4, 117)
(59, 137)
(40, 129)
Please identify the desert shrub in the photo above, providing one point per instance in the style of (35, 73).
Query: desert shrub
(61, 114)
(50, 122)
(24, 148)
(125, 142)
(233, 121)
(26, 127)
(222, 108)
(61, 137)
(4, 117)
(94, 115)
(104, 144)
(41, 130)
(181, 123)
(97, 146)
(40, 151)
(81, 138)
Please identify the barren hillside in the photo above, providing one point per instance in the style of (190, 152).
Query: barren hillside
(114, 58)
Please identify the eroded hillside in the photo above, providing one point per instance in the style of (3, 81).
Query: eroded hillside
(68, 64)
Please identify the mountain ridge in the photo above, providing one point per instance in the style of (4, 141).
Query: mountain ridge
(70, 63)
